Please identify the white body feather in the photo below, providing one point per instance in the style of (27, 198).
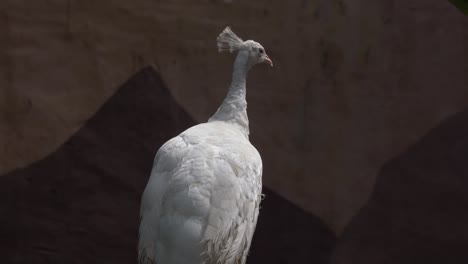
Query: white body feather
(202, 200)
(201, 203)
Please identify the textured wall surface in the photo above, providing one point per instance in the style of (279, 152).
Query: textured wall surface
(354, 82)
(417, 212)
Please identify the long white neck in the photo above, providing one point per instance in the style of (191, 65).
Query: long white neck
(234, 107)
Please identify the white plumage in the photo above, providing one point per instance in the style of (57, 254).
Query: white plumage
(201, 203)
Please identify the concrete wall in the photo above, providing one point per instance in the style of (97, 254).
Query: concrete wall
(354, 82)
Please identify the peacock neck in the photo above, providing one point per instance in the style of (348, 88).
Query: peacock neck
(234, 107)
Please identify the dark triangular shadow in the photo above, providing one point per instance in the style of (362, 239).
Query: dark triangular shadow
(418, 210)
(81, 203)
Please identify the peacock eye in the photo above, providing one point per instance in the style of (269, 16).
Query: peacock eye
(261, 50)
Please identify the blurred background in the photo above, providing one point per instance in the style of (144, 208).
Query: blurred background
(360, 124)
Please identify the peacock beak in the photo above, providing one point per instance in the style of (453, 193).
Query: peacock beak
(268, 60)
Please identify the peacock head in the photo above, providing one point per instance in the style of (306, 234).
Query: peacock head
(229, 41)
